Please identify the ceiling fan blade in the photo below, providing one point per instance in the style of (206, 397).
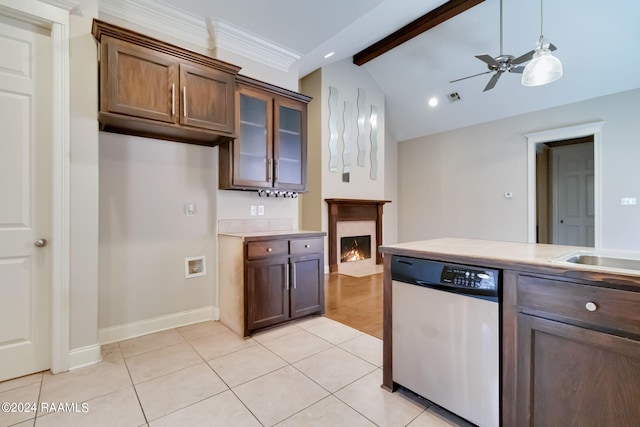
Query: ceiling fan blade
(516, 69)
(493, 81)
(523, 58)
(468, 77)
(552, 47)
(489, 60)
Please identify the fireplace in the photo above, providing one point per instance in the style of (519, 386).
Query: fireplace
(353, 217)
(355, 248)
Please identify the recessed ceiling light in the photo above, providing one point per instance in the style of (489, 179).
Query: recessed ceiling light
(329, 55)
(433, 101)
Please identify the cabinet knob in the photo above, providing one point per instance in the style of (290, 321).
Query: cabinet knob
(269, 249)
(591, 306)
(307, 246)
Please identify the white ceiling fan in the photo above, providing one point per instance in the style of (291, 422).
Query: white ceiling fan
(502, 63)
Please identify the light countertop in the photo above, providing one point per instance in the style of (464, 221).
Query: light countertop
(501, 254)
(277, 233)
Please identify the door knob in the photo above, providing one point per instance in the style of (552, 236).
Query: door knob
(41, 243)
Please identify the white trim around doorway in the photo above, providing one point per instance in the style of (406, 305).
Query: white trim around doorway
(593, 128)
(57, 20)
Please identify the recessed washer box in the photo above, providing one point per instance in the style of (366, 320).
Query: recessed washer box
(195, 267)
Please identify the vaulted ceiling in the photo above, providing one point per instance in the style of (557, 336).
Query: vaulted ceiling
(598, 43)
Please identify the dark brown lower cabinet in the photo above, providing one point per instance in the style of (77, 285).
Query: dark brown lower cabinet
(573, 376)
(266, 280)
(307, 288)
(576, 353)
(267, 292)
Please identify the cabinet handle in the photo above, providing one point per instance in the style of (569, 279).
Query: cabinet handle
(269, 250)
(307, 246)
(277, 172)
(286, 279)
(591, 306)
(184, 101)
(293, 266)
(173, 99)
(270, 169)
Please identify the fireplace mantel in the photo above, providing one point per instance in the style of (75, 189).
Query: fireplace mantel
(353, 210)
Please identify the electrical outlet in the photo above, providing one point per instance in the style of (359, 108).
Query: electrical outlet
(254, 210)
(508, 195)
(260, 209)
(627, 201)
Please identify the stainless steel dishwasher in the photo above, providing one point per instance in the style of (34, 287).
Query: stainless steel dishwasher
(446, 335)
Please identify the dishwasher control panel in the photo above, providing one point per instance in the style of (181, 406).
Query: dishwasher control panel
(468, 277)
(474, 281)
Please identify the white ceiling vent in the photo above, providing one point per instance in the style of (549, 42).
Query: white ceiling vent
(454, 97)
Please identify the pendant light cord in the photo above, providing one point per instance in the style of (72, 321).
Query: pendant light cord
(500, 27)
(541, 20)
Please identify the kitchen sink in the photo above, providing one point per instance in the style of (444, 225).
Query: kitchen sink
(605, 261)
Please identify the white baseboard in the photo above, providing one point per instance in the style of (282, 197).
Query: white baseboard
(84, 356)
(156, 324)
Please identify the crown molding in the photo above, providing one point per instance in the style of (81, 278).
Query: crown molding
(68, 5)
(232, 38)
(160, 18)
(195, 30)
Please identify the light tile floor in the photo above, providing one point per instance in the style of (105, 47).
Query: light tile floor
(316, 372)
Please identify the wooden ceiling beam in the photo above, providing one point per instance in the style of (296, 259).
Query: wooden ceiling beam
(414, 28)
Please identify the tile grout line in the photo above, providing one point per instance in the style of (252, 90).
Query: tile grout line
(135, 390)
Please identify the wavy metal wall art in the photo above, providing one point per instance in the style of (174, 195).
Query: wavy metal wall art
(333, 129)
(362, 95)
(346, 141)
(373, 137)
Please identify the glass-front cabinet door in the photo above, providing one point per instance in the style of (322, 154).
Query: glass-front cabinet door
(253, 151)
(289, 145)
(270, 150)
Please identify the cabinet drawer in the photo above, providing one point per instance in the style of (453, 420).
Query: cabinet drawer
(307, 246)
(603, 307)
(267, 248)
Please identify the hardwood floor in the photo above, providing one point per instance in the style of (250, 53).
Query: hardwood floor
(355, 301)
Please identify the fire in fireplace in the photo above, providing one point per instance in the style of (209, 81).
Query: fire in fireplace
(355, 248)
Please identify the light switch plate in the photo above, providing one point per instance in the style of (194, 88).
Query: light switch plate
(260, 209)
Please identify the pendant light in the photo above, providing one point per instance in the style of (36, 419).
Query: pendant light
(544, 67)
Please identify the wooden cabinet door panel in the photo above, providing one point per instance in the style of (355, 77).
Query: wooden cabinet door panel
(267, 293)
(572, 376)
(207, 98)
(140, 82)
(253, 148)
(290, 148)
(307, 287)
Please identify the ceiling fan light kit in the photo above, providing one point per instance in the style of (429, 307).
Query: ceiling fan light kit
(544, 68)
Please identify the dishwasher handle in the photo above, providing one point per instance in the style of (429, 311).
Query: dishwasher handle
(491, 294)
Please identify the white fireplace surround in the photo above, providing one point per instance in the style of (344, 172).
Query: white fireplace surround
(356, 228)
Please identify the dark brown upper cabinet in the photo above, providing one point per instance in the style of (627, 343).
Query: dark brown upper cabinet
(270, 150)
(154, 89)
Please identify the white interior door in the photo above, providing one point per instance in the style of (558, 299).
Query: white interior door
(573, 199)
(25, 198)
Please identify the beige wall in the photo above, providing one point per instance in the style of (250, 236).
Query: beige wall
(323, 184)
(83, 87)
(145, 234)
(452, 184)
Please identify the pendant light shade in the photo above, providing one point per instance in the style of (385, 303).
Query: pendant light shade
(544, 67)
